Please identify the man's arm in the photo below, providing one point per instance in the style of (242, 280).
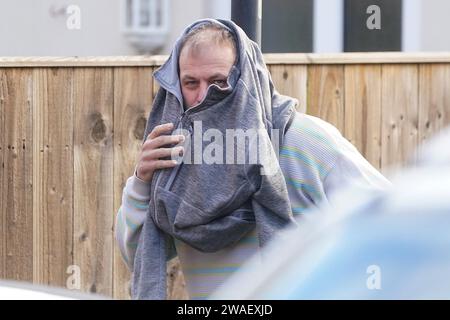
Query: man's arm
(317, 161)
(352, 169)
(131, 216)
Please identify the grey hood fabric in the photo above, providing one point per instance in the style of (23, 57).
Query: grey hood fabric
(211, 206)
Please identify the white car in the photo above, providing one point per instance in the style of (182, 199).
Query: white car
(13, 290)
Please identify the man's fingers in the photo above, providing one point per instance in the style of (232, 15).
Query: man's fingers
(164, 140)
(163, 152)
(160, 129)
(161, 164)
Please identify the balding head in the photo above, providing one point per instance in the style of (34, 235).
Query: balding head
(207, 35)
(206, 57)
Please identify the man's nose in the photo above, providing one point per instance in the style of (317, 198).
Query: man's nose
(202, 91)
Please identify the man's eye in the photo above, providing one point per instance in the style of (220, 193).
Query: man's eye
(220, 83)
(190, 83)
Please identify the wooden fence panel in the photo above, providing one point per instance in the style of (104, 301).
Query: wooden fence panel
(70, 133)
(53, 175)
(434, 99)
(3, 178)
(291, 80)
(363, 110)
(16, 94)
(93, 178)
(399, 111)
(326, 94)
(3, 193)
(132, 104)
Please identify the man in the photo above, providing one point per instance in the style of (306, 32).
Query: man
(386, 244)
(217, 215)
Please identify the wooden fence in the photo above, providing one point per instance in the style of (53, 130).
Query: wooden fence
(71, 128)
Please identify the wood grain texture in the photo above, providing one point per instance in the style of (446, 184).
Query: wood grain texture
(93, 178)
(434, 100)
(363, 110)
(132, 103)
(399, 109)
(326, 94)
(70, 136)
(3, 225)
(16, 214)
(271, 58)
(53, 175)
(291, 80)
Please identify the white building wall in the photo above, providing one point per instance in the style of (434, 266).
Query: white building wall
(435, 26)
(28, 29)
(187, 11)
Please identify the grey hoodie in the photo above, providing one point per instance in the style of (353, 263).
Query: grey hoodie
(212, 206)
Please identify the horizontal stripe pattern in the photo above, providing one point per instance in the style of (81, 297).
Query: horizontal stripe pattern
(129, 220)
(306, 158)
(309, 153)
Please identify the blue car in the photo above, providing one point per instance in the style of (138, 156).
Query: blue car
(387, 244)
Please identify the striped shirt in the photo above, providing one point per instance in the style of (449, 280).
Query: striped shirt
(315, 160)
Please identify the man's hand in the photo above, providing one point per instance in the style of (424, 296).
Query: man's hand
(152, 150)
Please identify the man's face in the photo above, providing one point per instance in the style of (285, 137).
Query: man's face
(210, 65)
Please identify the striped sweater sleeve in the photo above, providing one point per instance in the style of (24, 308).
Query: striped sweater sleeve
(317, 161)
(351, 168)
(131, 217)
